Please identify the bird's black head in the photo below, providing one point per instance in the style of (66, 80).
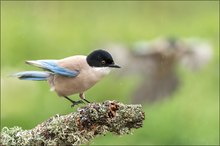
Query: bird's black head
(101, 58)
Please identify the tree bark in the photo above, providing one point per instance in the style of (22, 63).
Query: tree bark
(78, 127)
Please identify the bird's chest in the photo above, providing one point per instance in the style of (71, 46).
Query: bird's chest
(91, 76)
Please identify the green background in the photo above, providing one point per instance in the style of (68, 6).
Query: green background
(53, 30)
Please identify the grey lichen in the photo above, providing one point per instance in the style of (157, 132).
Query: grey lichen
(78, 127)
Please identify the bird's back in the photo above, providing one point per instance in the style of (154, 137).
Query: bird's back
(77, 62)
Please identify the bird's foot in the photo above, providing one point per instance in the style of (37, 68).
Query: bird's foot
(76, 103)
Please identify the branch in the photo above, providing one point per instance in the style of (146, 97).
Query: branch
(78, 127)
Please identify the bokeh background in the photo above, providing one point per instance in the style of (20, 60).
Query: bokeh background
(53, 30)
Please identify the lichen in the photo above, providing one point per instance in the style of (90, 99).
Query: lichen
(78, 127)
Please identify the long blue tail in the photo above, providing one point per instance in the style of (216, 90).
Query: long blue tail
(32, 75)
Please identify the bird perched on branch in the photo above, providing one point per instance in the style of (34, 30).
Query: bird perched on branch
(71, 75)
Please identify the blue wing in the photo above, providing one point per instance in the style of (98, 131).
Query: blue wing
(52, 66)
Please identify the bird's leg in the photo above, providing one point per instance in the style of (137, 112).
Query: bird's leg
(82, 96)
(73, 102)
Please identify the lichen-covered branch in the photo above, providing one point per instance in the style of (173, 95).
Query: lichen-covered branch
(78, 127)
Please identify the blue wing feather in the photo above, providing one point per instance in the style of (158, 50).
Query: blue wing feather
(52, 66)
(32, 75)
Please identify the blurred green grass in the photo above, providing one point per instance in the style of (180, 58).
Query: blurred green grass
(46, 30)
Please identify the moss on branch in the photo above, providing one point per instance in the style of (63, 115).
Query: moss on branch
(78, 127)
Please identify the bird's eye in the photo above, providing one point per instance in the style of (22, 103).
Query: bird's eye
(103, 62)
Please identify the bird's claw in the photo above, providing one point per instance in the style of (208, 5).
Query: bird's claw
(76, 103)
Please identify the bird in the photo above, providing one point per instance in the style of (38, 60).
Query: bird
(71, 75)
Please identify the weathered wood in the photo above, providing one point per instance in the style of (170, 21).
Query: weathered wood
(78, 127)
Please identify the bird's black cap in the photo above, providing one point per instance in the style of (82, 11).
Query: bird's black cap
(101, 58)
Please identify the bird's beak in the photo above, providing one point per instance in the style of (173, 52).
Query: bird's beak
(114, 66)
